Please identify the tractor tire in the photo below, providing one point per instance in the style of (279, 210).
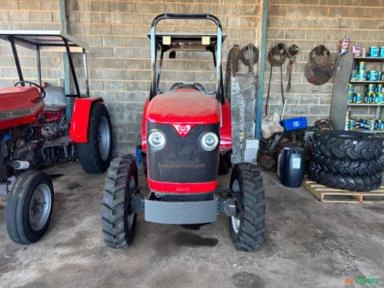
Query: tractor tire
(247, 229)
(352, 183)
(121, 184)
(29, 207)
(95, 155)
(349, 167)
(348, 145)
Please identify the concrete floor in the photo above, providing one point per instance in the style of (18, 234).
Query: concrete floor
(307, 244)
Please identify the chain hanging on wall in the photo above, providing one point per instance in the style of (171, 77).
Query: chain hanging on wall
(292, 51)
(276, 57)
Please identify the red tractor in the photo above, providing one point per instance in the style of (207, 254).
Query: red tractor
(186, 131)
(37, 129)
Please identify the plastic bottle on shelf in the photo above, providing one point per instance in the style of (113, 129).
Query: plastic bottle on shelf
(372, 125)
(347, 117)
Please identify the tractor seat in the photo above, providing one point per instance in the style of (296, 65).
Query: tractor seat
(55, 99)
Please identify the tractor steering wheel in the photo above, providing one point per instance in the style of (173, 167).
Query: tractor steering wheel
(199, 87)
(42, 90)
(176, 86)
(179, 85)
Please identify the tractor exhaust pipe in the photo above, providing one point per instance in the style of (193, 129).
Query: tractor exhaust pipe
(20, 165)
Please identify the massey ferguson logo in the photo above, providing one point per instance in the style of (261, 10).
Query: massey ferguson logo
(182, 130)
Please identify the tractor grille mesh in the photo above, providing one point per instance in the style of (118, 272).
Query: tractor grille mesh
(182, 159)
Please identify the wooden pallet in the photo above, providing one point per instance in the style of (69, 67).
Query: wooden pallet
(326, 194)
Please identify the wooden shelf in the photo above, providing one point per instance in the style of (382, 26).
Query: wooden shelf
(340, 97)
(365, 82)
(367, 131)
(327, 194)
(365, 104)
(370, 59)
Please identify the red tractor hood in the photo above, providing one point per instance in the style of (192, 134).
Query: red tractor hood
(19, 106)
(184, 106)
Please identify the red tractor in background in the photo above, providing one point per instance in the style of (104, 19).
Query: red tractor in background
(35, 130)
(185, 130)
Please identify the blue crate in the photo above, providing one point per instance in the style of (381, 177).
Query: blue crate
(294, 123)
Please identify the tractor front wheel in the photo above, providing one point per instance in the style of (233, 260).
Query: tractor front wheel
(118, 220)
(29, 207)
(247, 228)
(95, 155)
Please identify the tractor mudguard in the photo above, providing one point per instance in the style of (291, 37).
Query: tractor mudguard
(144, 127)
(226, 127)
(78, 131)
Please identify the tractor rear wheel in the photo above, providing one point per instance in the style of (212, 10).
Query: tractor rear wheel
(29, 207)
(118, 222)
(247, 228)
(95, 155)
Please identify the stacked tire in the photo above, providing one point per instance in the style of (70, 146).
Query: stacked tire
(347, 160)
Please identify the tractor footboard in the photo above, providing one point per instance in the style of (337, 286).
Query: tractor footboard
(188, 212)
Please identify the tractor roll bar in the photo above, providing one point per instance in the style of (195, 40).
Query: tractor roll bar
(165, 16)
(50, 41)
(175, 16)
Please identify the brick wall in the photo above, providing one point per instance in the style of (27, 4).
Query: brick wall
(28, 14)
(120, 64)
(309, 23)
(119, 48)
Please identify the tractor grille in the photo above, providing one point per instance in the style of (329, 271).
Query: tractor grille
(182, 159)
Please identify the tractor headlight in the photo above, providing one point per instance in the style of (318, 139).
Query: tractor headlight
(209, 141)
(157, 140)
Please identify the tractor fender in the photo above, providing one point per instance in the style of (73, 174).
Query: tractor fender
(78, 130)
(144, 127)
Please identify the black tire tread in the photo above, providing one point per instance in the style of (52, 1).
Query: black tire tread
(88, 153)
(352, 183)
(348, 145)
(349, 167)
(252, 222)
(14, 209)
(113, 206)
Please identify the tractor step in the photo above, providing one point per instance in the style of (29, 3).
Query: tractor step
(331, 195)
